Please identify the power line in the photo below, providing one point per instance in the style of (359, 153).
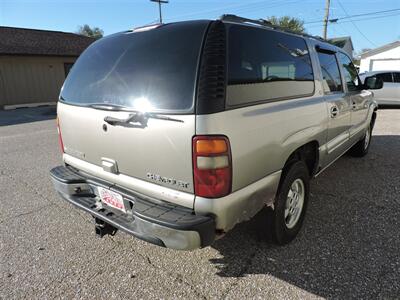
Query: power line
(355, 16)
(367, 14)
(359, 20)
(242, 8)
(371, 18)
(216, 10)
(355, 26)
(270, 5)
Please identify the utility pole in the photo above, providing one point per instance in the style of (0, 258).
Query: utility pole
(159, 6)
(326, 18)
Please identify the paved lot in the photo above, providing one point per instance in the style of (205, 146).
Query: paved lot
(349, 246)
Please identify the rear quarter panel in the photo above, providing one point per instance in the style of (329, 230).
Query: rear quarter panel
(263, 136)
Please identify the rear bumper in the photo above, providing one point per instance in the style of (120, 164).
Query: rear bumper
(154, 221)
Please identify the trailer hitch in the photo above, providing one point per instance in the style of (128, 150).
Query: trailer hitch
(102, 228)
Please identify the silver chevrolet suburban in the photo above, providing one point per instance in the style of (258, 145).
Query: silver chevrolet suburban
(175, 133)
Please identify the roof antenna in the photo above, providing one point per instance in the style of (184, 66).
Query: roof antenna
(159, 6)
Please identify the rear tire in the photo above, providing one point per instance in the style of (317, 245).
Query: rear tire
(291, 203)
(361, 148)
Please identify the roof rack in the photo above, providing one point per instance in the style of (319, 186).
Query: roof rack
(265, 23)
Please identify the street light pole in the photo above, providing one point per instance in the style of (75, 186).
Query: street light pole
(159, 6)
(326, 18)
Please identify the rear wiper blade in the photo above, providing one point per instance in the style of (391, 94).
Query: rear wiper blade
(162, 117)
(139, 117)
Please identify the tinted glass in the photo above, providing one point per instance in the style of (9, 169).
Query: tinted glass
(350, 72)
(265, 65)
(396, 76)
(153, 70)
(331, 80)
(386, 77)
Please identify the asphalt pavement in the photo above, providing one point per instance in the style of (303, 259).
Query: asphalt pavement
(349, 246)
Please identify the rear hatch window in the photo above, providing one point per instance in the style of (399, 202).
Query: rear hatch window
(151, 70)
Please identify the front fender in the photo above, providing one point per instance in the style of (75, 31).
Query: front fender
(373, 106)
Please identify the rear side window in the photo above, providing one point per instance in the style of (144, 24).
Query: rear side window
(152, 70)
(331, 80)
(386, 77)
(396, 77)
(266, 65)
(350, 72)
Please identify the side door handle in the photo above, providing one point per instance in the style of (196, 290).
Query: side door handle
(334, 111)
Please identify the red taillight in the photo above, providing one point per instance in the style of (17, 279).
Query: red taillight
(59, 136)
(212, 166)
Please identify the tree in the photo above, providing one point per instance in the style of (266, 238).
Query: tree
(94, 32)
(291, 23)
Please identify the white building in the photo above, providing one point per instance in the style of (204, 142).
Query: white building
(386, 57)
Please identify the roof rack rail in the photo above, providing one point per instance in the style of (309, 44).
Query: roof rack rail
(238, 19)
(265, 23)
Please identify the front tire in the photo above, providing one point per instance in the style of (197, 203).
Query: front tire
(291, 203)
(361, 148)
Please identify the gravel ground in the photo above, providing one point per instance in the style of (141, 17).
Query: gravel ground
(348, 248)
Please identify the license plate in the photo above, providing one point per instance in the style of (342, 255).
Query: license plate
(112, 199)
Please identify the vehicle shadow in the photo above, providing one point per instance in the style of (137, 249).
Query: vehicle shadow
(350, 242)
(27, 115)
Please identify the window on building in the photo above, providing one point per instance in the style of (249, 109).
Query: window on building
(266, 65)
(331, 80)
(350, 72)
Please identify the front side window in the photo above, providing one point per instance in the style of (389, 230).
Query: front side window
(386, 77)
(331, 80)
(266, 65)
(350, 72)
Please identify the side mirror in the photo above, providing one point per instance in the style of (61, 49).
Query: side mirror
(373, 83)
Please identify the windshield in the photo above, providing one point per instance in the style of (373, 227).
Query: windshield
(152, 70)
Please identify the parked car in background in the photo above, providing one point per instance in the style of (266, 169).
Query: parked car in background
(390, 92)
(177, 132)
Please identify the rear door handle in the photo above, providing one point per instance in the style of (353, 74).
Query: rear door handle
(334, 111)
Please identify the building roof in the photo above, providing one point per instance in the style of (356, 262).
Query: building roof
(22, 41)
(381, 49)
(341, 41)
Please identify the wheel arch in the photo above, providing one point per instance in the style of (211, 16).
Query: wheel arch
(309, 153)
(373, 118)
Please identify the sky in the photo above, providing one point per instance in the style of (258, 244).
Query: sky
(112, 16)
